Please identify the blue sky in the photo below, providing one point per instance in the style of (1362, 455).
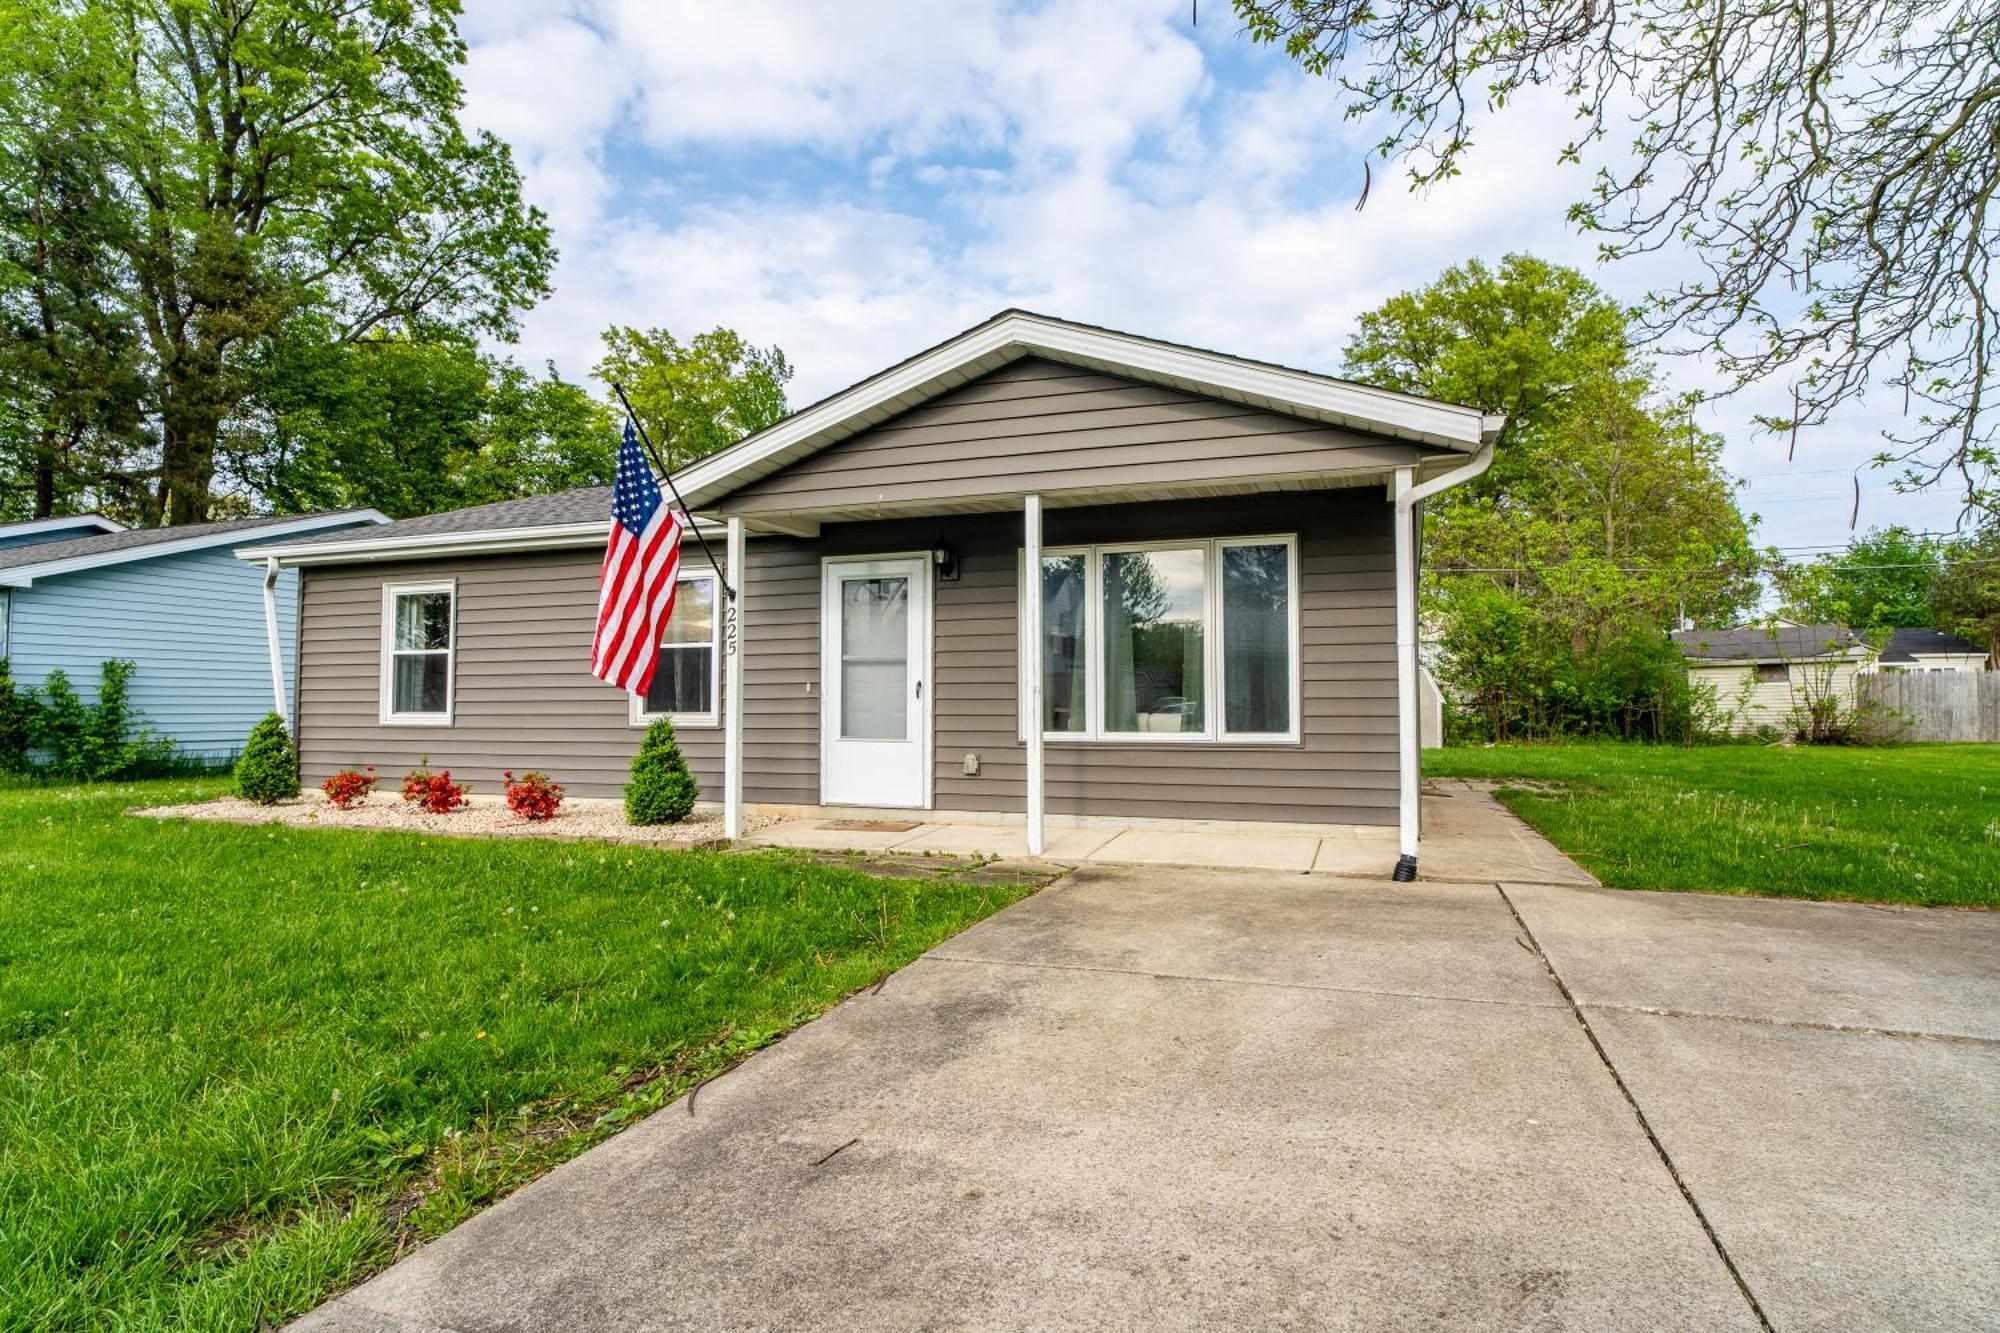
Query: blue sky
(855, 182)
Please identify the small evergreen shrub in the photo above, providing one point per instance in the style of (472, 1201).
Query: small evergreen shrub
(661, 791)
(349, 787)
(268, 772)
(532, 796)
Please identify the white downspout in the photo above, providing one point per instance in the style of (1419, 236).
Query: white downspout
(271, 572)
(732, 704)
(1031, 664)
(1408, 494)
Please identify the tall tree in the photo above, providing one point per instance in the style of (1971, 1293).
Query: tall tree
(1966, 593)
(1830, 167)
(277, 161)
(696, 397)
(1607, 505)
(68, 348)
(1881, 582)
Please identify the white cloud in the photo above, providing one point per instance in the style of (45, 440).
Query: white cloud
(1080, 158)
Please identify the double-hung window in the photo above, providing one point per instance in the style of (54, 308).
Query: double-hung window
(419, 632)
(687, 680)
(1164, 641)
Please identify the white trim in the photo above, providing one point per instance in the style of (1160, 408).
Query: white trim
(829, 660)
(1215, 699)
(20, 576)
(6, 608)
(1030, 668)
(637, 714)
(732, 705)
(278, 701)
(1013, 334)
(62, 523)
(385, 682)
(485, 541)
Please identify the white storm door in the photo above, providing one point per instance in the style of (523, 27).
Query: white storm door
(875, 634)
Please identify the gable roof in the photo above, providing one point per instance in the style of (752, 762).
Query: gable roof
(1778, 643)
(37, 530)
(1013, 334)
(1905, 644)
(20, 566)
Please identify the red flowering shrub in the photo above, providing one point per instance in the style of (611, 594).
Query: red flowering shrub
(435, 792)
(533, 796)
(349, 786)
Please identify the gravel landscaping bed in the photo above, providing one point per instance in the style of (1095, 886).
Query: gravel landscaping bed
(482, 817)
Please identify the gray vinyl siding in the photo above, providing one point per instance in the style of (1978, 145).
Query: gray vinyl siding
(1342, 771)
(525, 698)
(1037, 425)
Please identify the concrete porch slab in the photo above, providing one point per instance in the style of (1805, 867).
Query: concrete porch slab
(1249, 851)
(1059, 844)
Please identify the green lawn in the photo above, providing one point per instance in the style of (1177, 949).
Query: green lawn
(1904, 824)
(240, 1066)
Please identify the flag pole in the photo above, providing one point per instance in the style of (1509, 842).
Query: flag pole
(668, 477)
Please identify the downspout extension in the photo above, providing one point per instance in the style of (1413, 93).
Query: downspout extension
(1408, 495)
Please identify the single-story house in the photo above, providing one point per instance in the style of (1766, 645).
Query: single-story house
(1929, 650)
(77, 592)
(1762, 672)
(1222, 627)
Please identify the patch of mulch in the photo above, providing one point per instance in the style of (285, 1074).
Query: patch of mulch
(482, 817)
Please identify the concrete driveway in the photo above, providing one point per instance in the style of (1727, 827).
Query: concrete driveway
(1152, 1098)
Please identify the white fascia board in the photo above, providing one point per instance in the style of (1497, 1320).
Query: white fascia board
(437, 545)
(24, 575)
(65, 524)
(1398, 415)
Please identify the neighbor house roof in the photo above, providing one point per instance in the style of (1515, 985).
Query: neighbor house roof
(1779, 643)
(1013, 334)
(1905, 644)
(20, 566)
(45, 529)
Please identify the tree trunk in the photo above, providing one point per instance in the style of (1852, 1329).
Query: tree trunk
(45, 474)
(189, 425)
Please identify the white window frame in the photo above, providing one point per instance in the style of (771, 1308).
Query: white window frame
(713, 717)
(1214, 704)
(386, 689)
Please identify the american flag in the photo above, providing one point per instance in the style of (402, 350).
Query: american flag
(641, 563)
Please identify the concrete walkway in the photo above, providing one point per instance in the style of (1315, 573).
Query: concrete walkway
(1145, 1099)
(1467, 836)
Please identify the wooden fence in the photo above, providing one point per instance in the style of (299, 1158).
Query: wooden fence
(1938, 705)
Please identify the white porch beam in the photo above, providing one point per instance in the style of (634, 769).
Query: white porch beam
(732, 706)
(1031, 665)
(1407, 494)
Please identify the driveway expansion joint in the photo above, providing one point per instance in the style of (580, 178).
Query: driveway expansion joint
(1645, 1125)
(1321, 987)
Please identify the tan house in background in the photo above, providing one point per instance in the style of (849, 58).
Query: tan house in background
(1220, 627)
(1761, 673)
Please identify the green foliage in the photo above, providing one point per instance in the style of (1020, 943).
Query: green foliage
(696, 397)
(1881, 582)
(241, 172)
(17, 716)
(413, 427)
(235, 1057)
(1965, 595)
(661, 791)
(95, 741)
(268, 772)
(1506, 675)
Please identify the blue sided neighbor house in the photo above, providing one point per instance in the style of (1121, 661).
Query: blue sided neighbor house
(78, 591)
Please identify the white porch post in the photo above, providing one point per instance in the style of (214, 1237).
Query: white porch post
(1031, 666)
(732, 707)
(1406, 666)
(278, 702)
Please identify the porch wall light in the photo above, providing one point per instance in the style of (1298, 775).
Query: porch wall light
(945, 561)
